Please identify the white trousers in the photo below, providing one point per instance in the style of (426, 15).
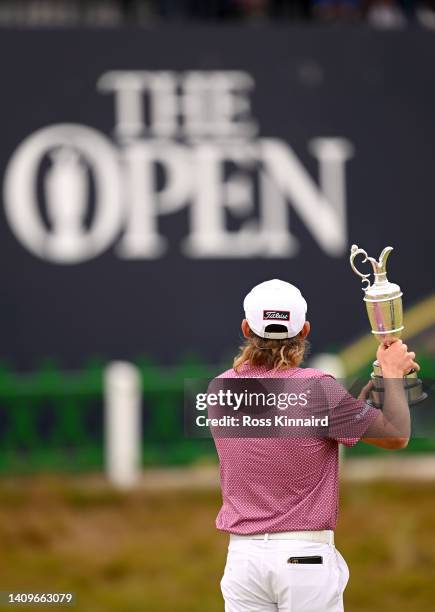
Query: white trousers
(259, 578)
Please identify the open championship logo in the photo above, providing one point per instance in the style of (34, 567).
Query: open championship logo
(181, 140)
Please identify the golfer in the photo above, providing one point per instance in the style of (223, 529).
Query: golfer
(280, 494)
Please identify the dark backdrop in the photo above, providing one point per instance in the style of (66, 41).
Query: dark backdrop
(375, 89)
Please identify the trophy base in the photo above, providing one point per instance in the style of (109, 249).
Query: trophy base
(412, 385)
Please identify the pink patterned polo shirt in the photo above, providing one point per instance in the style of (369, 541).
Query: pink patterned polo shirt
(286, 483)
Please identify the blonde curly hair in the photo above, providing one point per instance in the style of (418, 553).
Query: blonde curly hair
(274, 354)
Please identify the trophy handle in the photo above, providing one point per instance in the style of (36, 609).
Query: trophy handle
(355, 250)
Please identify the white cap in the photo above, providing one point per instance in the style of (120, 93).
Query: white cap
(278, 303)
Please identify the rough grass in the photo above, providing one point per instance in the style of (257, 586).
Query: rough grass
(159, 552)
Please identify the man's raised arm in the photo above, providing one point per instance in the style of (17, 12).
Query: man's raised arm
(392, 427)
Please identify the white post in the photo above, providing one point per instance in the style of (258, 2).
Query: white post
(328, 363)
(122, 423)
(331, 364)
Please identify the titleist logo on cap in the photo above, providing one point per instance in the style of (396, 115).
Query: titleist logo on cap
(280, 315)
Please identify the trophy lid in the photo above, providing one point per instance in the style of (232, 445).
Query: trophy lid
(381, 289)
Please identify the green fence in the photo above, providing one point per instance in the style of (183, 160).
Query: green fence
(51, 420)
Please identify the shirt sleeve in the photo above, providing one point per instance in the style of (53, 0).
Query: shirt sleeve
(348, 417)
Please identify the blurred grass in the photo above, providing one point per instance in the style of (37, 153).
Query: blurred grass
(159, 552)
